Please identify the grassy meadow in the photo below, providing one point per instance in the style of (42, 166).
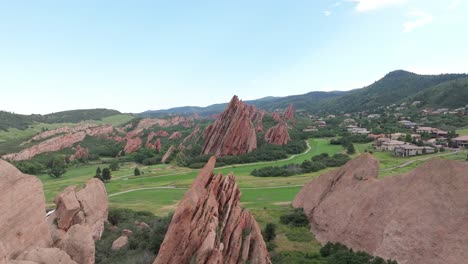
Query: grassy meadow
(159, 188)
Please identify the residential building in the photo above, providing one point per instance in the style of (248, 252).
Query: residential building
(409, 150)
(460, 142)
(391, 145)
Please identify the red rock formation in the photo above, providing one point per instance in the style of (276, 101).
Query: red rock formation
(192, 135)
(65, 237)
(168, 154)
(416, 218)
(23, 224)
(156, 145)
(58, 143)
(289, 113)
(80, 153)
(276, 117)
(175, 135)
(209, 226)
(186, 124)
(162, 133)
(133, 144)
(150, 137)
(278, 134)
(232, 133)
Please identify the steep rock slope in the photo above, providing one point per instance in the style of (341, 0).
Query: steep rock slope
(278, 134)
(22, 220)
(233, 132)
(420, 217)
(210, 227)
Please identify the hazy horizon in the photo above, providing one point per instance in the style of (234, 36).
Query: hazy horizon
(149, 55)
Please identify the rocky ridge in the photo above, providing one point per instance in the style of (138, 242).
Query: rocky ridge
(420, 217)
(210, 227)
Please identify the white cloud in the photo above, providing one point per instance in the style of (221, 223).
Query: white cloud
(419, 19)
(368, 5)
(454, 4)
(327, 13)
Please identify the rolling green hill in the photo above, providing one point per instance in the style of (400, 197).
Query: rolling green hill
(21, 122)
(395, 87)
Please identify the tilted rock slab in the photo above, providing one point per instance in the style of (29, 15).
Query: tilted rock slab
(22, 219)
(278, 134)
(168, 154)
(210, 227)
(289, 113)
(233, 133)
(420, 217)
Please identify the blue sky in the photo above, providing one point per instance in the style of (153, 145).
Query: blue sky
(138, 55)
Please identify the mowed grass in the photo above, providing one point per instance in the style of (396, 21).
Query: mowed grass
(462, 132)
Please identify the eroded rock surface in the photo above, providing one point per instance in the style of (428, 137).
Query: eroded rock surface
(209, 226)
(278, 134)
(233, 132)
(80, 153)
(420, 217)
(23, 224)
(133, 144)
(175, 135)
(168, 154)
(289, 113)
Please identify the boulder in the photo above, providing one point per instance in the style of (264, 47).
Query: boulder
(23, 223)
(46, 256)
(233, 132)
(419, 217)
(119, 243)
(278, 134)
(79, 244)
(67, 206)
(209, 226)
(168, 154)
(126, 232)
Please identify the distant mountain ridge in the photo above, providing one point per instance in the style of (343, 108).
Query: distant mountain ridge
(395, 87)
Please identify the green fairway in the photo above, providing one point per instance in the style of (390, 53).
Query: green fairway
(462, 132)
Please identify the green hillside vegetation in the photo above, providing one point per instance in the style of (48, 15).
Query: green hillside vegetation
(21, 122)
(394, 88)
(451, 94)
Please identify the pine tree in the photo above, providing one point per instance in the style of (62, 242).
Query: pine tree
(136, 172)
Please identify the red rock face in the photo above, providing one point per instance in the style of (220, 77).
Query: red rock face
(289, 113)
(58, 143)
(276, 117)
(133, 144)
(156, 145)
(278, 134)
(168, 154)
(416, 218)
(232, 133)
(257, 118)
(209, 226)
(22, 221)
(175, 135)
(80, 153)
(162, 133)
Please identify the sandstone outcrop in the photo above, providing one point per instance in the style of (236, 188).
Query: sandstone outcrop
(23, 224)
(257, 118)
(233, 133)
(79, 244)
(119, 243)
(168, 154)
(46, 256)
(80, 153)
(175, 135)
(278, 134)
(209, 226)
(58, 143)
(162, 133)
(276, 117)
(156, 145)
(289, 113)
(420, 217)
(133, 144)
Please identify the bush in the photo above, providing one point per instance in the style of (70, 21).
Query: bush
(269, 233)
(295, 218)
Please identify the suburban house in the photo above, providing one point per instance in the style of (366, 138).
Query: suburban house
(396, 136)
(391, 145)
(321, 123)
(408, 150)
(407, 123)
(358, 131)
(461, 142)
(310, 129)
(434, 132)
(373, 116)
